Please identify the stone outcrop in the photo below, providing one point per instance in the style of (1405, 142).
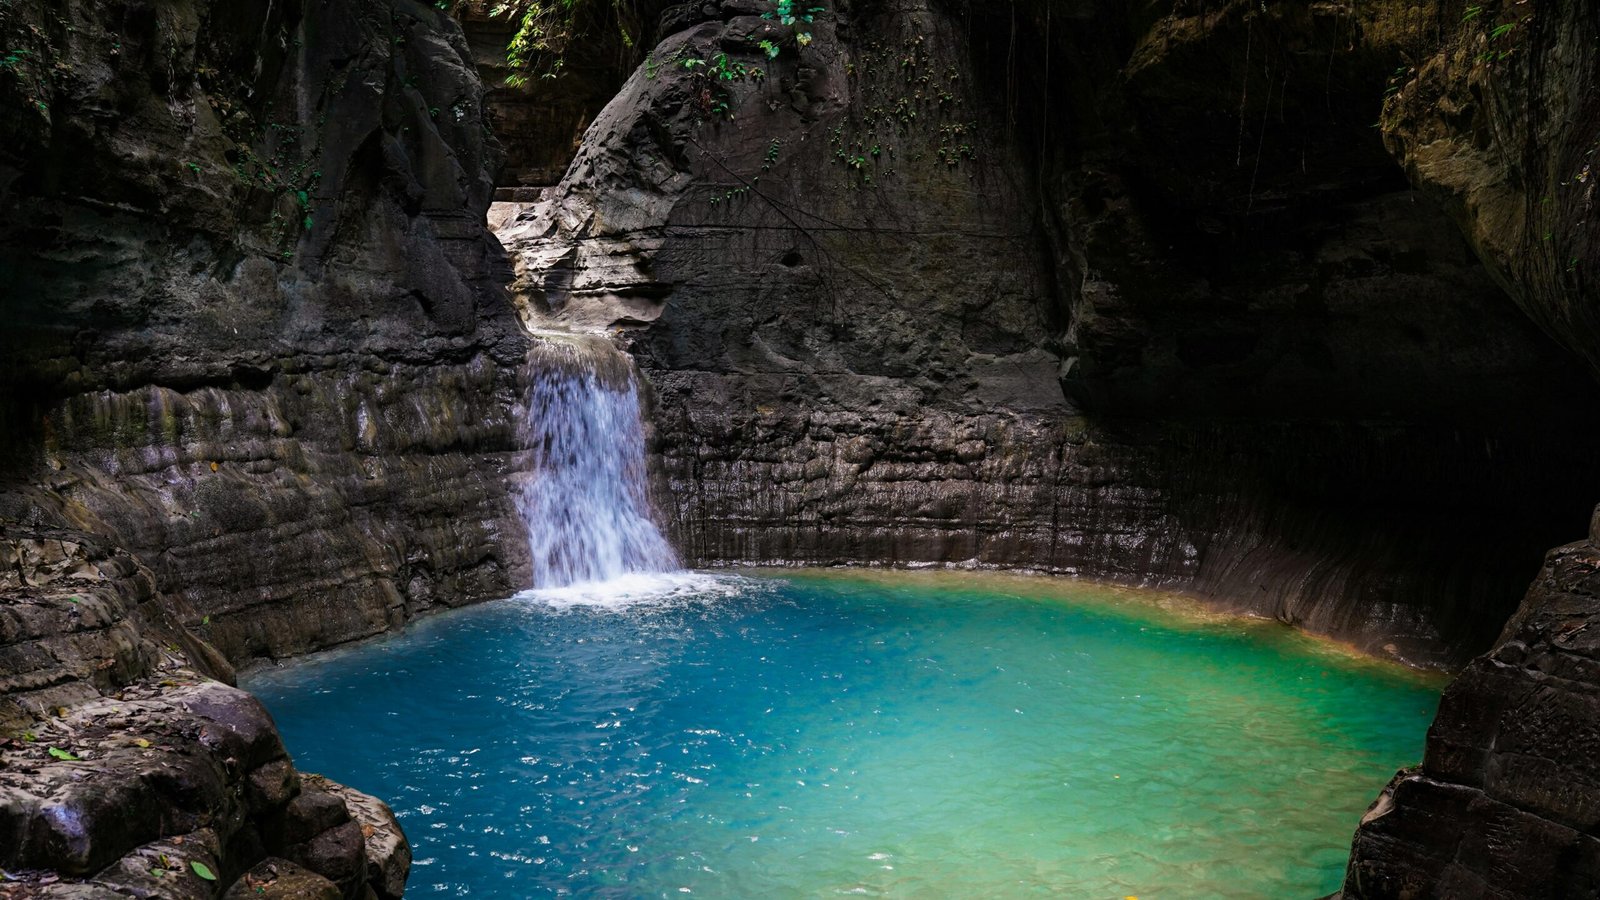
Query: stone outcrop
(1507, 798)
(1501, 123)
(540, 114)
(125, 771)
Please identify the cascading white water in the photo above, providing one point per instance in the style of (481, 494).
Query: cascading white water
(586, 500)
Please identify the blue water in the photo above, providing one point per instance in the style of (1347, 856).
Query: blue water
(888, 735)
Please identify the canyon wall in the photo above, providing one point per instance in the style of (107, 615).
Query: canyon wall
(255, 332)
(257, 389)
(1174, 306)
(1132, 292)
(1163, 310)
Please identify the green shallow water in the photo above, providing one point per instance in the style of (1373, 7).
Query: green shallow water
(896, 735)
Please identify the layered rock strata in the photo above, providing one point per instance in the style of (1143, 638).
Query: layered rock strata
(1505, 801)
(256, 334)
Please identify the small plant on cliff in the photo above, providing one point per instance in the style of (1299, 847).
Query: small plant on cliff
(784, 13)
(711, 76)
(547, 30)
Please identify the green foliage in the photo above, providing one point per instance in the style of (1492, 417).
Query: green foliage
(59, 753)
(785, 15)
(910, 111)
(548, 29)
(202, 870)
(711, 77)
(1498, 39)
(32, 73)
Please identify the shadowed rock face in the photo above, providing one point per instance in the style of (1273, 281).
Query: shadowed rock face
(916, 302)
(1507, 798)
(1161, 310)
(255, 332)
(1501, 124)
(540, 118)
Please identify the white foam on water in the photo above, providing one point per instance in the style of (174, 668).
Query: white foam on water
(641, 589)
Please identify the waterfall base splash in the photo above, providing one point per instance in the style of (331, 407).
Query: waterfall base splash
(586, 498)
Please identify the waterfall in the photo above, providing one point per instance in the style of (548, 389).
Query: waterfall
(586, 499)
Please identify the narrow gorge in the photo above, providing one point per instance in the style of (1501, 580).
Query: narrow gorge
(324, 318)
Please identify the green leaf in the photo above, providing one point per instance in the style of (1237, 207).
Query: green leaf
(201, 870)
(59, 753)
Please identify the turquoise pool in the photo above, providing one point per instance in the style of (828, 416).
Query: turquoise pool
(884, 734)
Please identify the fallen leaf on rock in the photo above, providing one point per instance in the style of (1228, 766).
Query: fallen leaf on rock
(59, 753)
(202, 870)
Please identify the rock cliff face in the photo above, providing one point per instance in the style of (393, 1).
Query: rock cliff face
(1504, 802)
(255, 336)
(1164, 310)
(1134, 291)
(540, 118)
(1501, 123)
(256, 388)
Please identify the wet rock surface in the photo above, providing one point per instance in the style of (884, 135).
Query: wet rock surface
(256, 398)
(1507, 797)
(1164, 310)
